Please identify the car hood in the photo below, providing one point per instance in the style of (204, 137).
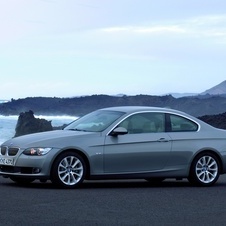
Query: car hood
(56, 138)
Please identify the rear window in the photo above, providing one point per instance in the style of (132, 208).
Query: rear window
(181, 124)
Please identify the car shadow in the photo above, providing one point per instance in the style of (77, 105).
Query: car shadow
(141, 184)
(108, 184)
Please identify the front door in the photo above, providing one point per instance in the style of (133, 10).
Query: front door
(145, 148)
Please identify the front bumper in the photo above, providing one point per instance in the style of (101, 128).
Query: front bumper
(29, 166)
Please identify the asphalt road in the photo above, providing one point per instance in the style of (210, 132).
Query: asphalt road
(125, 202)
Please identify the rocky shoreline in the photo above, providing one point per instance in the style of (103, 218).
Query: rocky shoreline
(27, 124)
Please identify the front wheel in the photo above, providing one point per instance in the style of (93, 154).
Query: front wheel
(205, 170)
(68, 170)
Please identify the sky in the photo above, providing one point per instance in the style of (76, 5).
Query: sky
(67, 48)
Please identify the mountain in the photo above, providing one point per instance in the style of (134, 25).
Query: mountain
(219, 89)
(179, 95)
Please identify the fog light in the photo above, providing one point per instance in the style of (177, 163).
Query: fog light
(36, 170)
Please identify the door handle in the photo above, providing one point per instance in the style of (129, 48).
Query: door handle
(163, 140)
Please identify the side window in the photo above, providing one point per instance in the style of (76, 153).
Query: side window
(144, 123)
(181, 124)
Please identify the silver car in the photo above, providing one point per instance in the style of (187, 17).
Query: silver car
(119, 143)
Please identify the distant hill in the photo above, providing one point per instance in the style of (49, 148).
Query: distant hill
(216, 90)
(219, 89)
(77, 106)
(179, 95)
(210, 102)
(218, 121)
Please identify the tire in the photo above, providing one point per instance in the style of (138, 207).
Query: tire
(68, 170)
(22, 181)
(205, 170)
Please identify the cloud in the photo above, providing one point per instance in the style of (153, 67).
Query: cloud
(212, 26)
(145, 30)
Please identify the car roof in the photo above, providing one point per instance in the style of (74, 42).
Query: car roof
(131, 109)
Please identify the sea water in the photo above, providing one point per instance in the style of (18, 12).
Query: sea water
(8, 124)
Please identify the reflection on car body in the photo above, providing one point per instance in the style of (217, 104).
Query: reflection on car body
(119, 142)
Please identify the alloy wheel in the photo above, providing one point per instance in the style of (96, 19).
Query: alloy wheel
(206, 169)
(70, 170)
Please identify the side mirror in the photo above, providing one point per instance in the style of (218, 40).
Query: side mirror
(119, 131)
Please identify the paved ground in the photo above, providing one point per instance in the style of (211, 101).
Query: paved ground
(133, 202)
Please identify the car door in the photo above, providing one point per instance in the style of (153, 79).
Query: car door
(145, 148)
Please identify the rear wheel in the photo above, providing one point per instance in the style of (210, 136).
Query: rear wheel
(205, 169)
(68, 170)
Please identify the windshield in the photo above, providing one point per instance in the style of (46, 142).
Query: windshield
(96, 121)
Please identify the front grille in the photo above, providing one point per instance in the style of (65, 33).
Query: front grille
(12, 151)
(3, 150)
(9, 151)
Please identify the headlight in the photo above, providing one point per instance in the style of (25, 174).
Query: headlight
(36, 151)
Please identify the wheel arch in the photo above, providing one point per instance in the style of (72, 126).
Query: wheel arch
(85, 158)
(217, 155)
